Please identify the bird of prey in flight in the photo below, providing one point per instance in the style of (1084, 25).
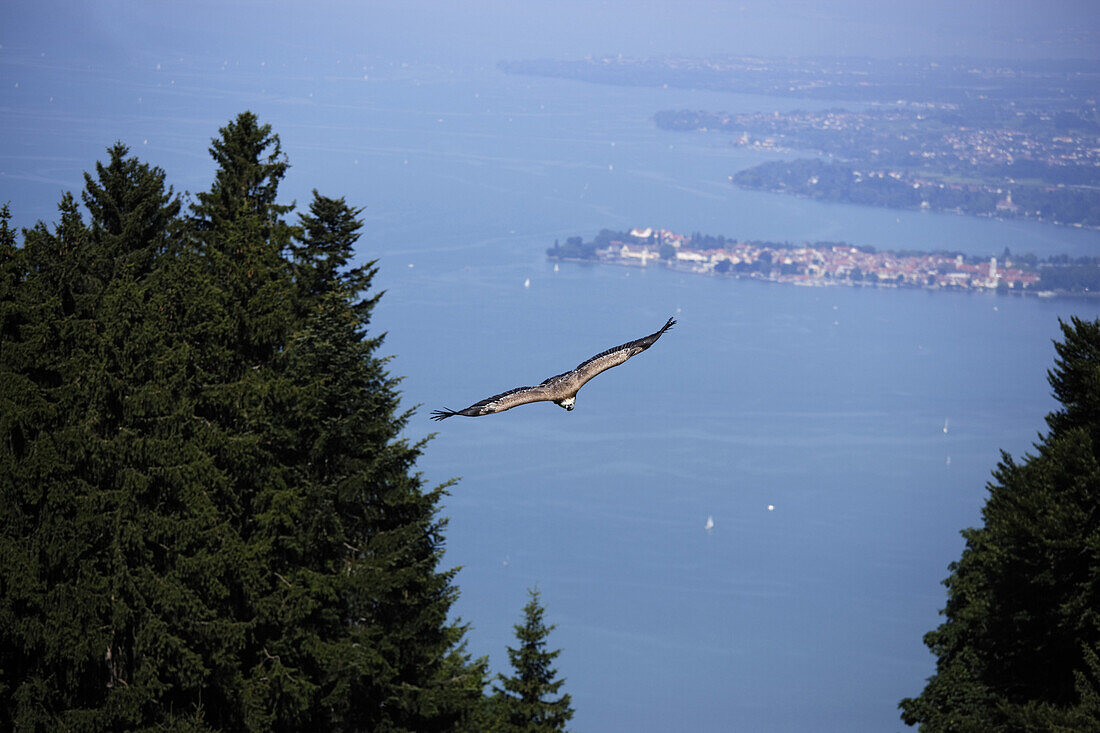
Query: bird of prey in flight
(562, 389)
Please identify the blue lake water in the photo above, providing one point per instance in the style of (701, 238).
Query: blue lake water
(826, 404)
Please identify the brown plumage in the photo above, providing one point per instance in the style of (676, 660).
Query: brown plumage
(562, 389)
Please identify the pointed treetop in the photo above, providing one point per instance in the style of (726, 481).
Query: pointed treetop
(130, 208)
(1075, 377)
(7, 234)
(526, 697)
(330, 231)
(251, 164)
(11, 270)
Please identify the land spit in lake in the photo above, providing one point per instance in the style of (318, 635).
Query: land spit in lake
(986, 138)
(835, 263)
(928, 159)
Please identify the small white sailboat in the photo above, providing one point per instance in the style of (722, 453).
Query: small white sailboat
(945, 426)
(555, 267)
(709, 526)
(527, 283)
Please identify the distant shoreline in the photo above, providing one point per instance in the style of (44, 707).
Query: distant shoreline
(830, 264)
(840, 182)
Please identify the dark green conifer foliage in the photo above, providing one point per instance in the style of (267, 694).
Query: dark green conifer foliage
(13, 273)
(209, 518)
(16, 390)
(525, 702)
(45, 607)
(243, 239)
(240, 241)
(364, 531)
(80, 623)
(1023, 609)
(330, 229)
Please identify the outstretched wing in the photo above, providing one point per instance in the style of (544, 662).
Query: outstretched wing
(614, 356)
(561, 386)
(499, 403)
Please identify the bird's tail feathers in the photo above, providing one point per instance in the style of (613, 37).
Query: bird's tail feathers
(443, 414)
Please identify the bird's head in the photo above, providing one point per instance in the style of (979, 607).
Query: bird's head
(568, 403)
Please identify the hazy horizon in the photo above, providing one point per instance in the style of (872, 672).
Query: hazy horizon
(100, 71)
(486, 31)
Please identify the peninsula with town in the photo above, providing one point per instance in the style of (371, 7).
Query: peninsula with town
(835, 263)
(977, 137)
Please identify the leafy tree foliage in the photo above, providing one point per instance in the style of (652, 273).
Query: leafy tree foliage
(208, 518)
(525, 700)
(1018, 649)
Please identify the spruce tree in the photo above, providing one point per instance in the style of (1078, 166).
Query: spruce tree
(83, 624)
(366, 531)
(322, 252)
(47, 599)
(342, 609)
(209, 518)
(239, 239)
(1017, 650)
(13, 273)
(524, 701)
(243, 238)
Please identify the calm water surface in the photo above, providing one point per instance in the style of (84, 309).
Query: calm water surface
(826, 404)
